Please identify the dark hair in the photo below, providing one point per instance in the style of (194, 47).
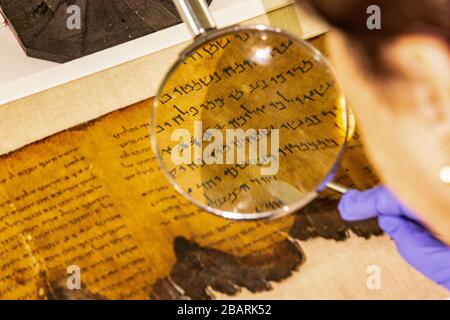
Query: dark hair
(397, 17)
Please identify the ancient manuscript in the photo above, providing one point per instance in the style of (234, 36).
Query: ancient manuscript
(94, 197)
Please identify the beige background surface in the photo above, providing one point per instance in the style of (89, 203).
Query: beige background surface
(340, 270)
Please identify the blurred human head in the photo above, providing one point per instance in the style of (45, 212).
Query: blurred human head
(397, 80)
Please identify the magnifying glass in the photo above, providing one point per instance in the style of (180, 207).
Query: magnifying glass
(251, 121)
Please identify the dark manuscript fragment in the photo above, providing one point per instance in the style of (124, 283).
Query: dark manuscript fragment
(41, 25)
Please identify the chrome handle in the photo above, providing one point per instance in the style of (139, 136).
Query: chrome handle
(337, 187)
(196, 15)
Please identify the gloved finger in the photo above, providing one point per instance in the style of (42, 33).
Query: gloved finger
(419, 247)
(361, 205)
(388, 204)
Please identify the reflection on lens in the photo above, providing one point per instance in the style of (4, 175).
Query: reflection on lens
(250, 124)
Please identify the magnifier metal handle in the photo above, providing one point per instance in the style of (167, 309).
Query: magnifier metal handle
(196, 14)
(337, 187)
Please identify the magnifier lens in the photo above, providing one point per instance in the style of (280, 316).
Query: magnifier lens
(250, 124)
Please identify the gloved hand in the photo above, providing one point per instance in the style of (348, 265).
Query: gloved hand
(414, 242)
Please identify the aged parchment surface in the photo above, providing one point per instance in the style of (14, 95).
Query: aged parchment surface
(93, 196)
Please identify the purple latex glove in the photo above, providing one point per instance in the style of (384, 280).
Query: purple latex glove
(414, 242)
